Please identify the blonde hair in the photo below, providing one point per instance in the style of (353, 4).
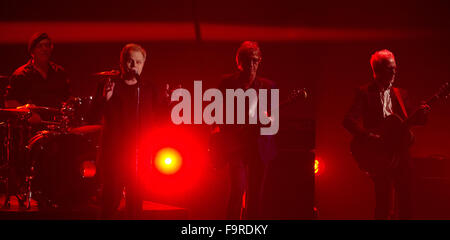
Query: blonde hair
(380, 56)
(131, 47)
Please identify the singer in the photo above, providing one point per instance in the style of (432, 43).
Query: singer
(126, 105)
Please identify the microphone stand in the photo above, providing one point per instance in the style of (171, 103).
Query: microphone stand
(137, 201)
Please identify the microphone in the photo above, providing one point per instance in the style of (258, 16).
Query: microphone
(135, 74)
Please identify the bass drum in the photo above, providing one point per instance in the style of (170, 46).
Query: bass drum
(63, 169)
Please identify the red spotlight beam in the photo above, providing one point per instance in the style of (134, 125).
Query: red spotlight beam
(220, 32)
(76, 32)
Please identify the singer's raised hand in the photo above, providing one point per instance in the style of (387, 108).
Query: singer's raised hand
(108, 89)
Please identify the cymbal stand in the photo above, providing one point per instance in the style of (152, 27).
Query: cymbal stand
(6, 203)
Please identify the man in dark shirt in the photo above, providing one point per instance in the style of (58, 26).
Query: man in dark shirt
(40, 82)
(248, 152)
(117, 102)
(374, 102)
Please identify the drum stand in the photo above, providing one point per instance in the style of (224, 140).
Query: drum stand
(28, 193)
(7, 143)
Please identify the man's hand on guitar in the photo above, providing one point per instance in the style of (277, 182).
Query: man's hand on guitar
(373, 135)
(425, 108)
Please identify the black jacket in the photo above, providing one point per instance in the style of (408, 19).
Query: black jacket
(366, 111)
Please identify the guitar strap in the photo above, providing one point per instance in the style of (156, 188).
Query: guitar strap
(400, 101)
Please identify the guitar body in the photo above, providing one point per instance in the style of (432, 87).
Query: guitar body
(378, 155)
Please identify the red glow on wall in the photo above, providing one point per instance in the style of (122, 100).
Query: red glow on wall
(243, 199)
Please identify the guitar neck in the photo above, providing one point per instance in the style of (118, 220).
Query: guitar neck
(430, 102)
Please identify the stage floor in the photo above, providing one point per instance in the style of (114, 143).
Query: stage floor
(152, 211)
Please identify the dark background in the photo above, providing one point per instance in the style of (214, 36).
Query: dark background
(331, 68)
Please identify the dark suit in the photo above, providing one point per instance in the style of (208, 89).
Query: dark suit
(365, 116)
(249, 158)
(366, 112)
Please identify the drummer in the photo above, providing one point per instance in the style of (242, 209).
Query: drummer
(40, 81)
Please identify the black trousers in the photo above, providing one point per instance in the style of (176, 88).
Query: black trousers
(247, 172)
(117, 176)
(393, 192)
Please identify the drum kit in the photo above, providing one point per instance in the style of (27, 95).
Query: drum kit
(50, 160)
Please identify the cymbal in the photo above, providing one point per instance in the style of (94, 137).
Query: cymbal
(3, 77)
(15, 110)
(112, 73)
(50, 123)
(86, 129)
(11, 113)
(39, 108)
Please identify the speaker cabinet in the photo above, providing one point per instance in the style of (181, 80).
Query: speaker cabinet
(431, 189)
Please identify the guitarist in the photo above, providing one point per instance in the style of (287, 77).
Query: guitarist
(244, 149)
(374, 102)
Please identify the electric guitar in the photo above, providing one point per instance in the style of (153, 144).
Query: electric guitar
(223, 139)
(377, 155)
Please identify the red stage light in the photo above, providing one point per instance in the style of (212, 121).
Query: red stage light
(88, 169)
(168, 161)
(316, 167)
(176, 161)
